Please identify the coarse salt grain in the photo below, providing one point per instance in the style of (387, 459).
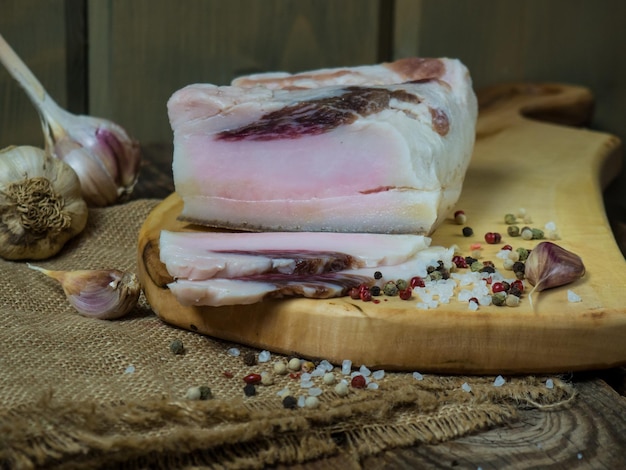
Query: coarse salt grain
(234, 352)
(306, 384)
(346, 367)
(301, 401)
(372, 386)
(283, 392)
(418, 376)
(315, 391)
(264, 356)
(130, 369)
(318, 372)
(365, 372)
(378, 374)
(466, 387)
(572, 296)
(499, 381)
(324, 364)
(473, 306)
(550, 383)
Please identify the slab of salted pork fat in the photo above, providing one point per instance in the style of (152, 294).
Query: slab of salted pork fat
(379, 148)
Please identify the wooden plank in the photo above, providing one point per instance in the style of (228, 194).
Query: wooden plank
(36, 31)
(155, 47)
(557, 173)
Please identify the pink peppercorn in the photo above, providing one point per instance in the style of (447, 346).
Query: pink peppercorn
(358, 381)
(252, 378)
(507, 247)
(459, 261)
(518, 284)
(405, 294)
(355, 293)
(493, 237)
(417, 281)
(497, 287)
(366, 295)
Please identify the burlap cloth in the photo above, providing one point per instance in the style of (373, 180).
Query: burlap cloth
(84, 393)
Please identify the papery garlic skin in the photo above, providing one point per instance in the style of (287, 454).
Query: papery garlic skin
(105, 294)
(41, 204)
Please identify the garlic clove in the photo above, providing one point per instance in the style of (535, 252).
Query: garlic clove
(549, 265)
(100, 293)
(108, 159)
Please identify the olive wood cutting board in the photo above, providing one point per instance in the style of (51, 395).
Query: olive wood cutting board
(525, 157)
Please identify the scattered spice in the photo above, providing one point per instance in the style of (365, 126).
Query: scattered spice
(460, 217)
(513, 231)
(358, 381)
(294, 363)
(342, 389)
(249, 390)
(280, 368)
(249, 359)
(252, 378)
(468, 231)
(390, 289)
(493, 238)
(510, 219)
(290, 402)
(311, 402)
(177, 347)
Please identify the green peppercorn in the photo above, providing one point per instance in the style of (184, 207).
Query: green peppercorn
(499, 298)
(390, 289)
(468, 232)
(510, 219)
(513, 231)
(537, 233)
(177, 347)
(205, 392)
(401, 284)
(476, 266)
(435, 276)
(523, 254)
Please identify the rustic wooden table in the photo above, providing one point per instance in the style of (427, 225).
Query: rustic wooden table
(591, 433)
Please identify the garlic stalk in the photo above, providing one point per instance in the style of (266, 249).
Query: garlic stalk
(41, 207)
(101, 153)
(99, 293)
(550, 265)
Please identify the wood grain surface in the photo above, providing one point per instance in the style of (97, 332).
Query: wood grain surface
(555, 172)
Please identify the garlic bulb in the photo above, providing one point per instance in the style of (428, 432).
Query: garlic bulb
(105, 158)
(98, 293)
(41, 207)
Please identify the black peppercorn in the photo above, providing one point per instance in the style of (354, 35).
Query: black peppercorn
(249, 359)
(375, 291)
(468, 232)
(249, 390)
(177, 347)
(378, 275)
(290, 402)
(519, 267)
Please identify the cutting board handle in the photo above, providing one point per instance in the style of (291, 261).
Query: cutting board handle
(504, 104)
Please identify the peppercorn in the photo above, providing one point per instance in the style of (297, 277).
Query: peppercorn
(177, 347)
(537, 233)
(488, 269)
(469, 260)
(507, 248)
(460, 217)
(378, 275)
(527, 234)
(468, 232)
(512, 300)
(366, 295)
(513, 231)
(307, 366)
(358, 381)
(459, 261)
(249, 358)
(515, 291)
(252, 378)
(375, 291)
(390, 289)
(506, 286)
(401, 284)
(499, 298)
(249, 390)
(406, 294)
(509, 219)
(523, 253)
(476, 266)
(417, 281)
(519, 274)
(493, 237)
(518, 266)
(355, 293)
(518, 285)
(497, 287)
(290, 402)
(205, 392)
(435, 276)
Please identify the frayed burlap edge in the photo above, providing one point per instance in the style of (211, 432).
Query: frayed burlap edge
(238, 434)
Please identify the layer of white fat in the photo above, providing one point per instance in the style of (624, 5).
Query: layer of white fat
(196, 255)
(220, 292)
